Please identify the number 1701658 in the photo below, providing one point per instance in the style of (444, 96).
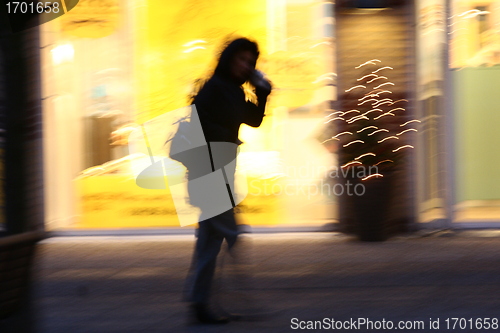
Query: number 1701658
(23, 7)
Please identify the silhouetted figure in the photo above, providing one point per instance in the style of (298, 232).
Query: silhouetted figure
(222, 108)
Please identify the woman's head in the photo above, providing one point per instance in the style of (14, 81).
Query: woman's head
(237, 60)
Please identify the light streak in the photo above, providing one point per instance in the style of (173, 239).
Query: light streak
(350, 163)
(377, 131)
(385, 114)
(467, 12)
(194, 48)
(383, 84)
(368, 127)
(326, 122)
(343, 114)
(194, 42)
(353, 119)
(323, 78)
(402, 147)
(371, 176)
(367, 96)
(397, 109)
(360, 79)
(401, 100)
(371, 99)
(389, 137)
(408, 130)
(383, 162)
(326, 43)
(379, 92)
(473, 13)
(332, 138)
(378, 78)
(358, 86)
(411, 121)
(333, 113)
(386, 67)
(355, 141)
(370, 111)
(364, 155)
(371, 62)
(341, 134)
(382, 103)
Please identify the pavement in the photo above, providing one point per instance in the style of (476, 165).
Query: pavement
(299, 280)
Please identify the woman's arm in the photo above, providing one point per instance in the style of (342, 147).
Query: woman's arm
(254, 114)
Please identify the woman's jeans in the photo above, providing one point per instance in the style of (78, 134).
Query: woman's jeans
(213, 229)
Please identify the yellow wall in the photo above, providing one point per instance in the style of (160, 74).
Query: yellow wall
(164, 72)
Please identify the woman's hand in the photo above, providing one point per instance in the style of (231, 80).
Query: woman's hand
(259, 81)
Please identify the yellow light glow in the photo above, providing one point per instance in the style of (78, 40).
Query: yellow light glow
(62, 53)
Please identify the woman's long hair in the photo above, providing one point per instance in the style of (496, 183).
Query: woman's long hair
(223, 68)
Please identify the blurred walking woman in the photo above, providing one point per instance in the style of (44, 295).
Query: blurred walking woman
(222, 108)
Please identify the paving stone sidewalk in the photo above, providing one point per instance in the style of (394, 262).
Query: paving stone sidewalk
(135, 284)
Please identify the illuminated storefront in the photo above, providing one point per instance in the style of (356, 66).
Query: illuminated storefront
(108, 73)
